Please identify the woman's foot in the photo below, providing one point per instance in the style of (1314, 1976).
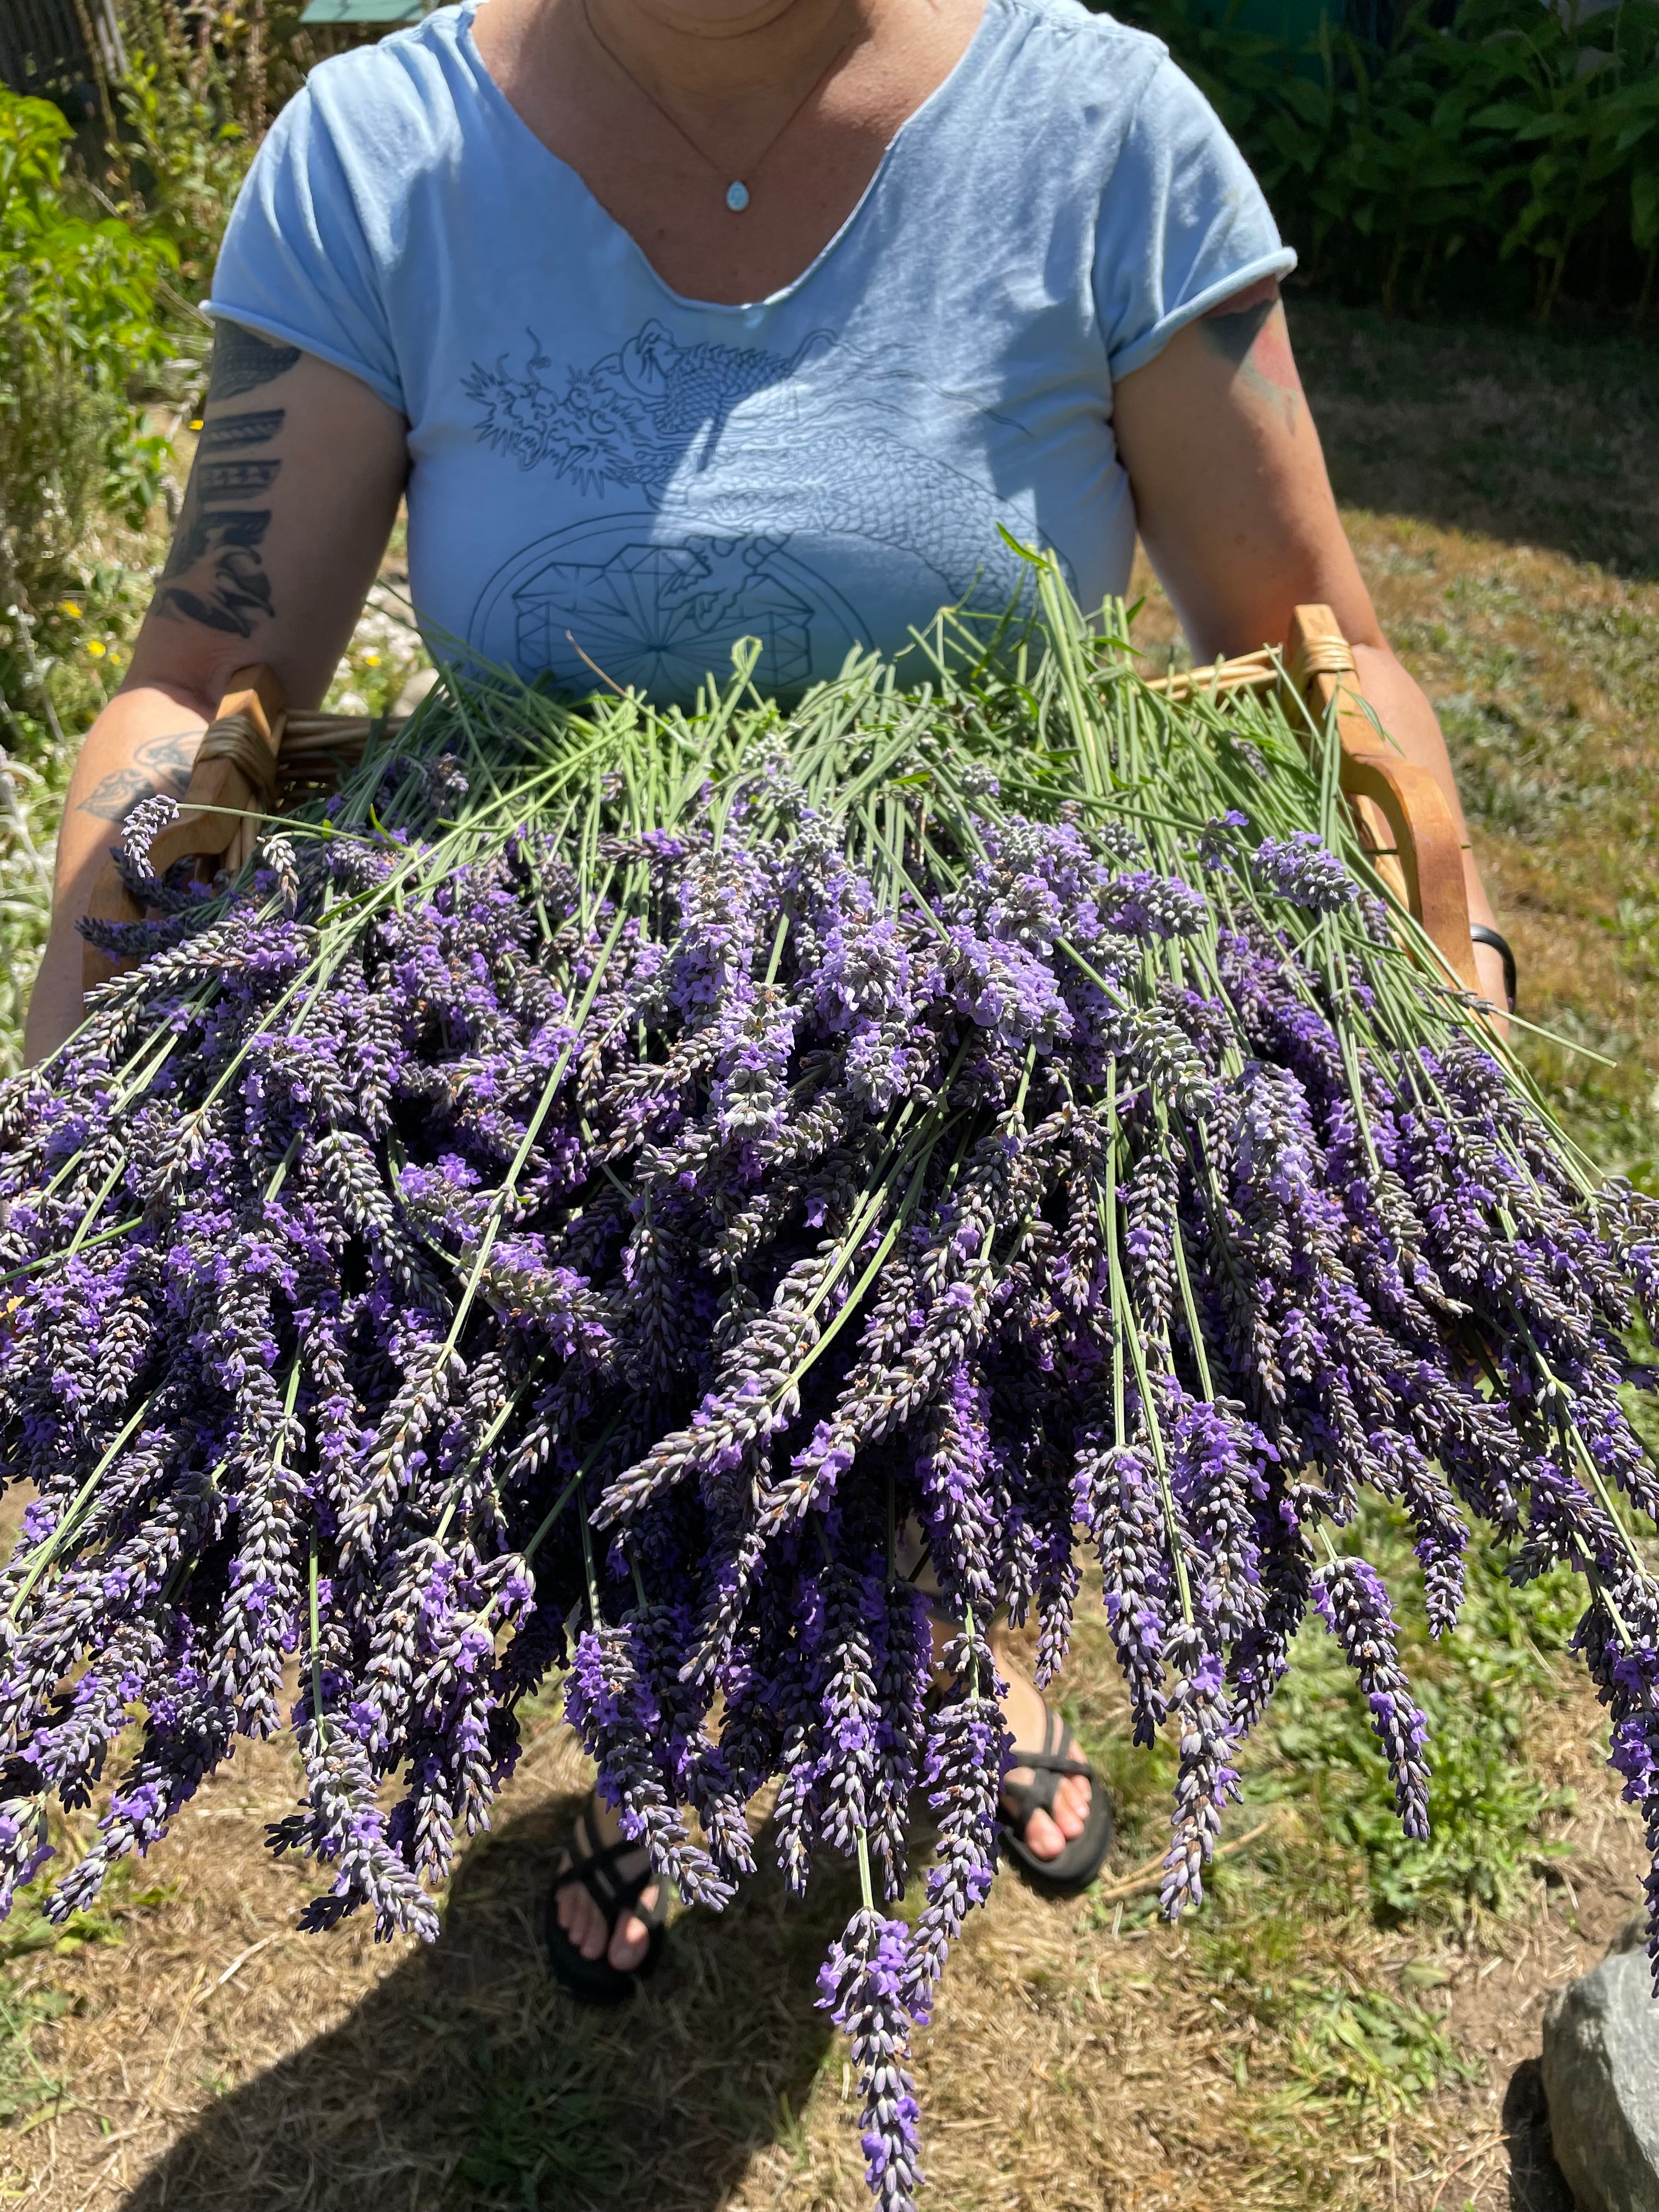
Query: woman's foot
(578, 1914)
(1046, 1834)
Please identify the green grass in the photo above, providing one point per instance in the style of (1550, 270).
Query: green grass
(1287, 1945)
(1489, 1817)
(1281, 1942)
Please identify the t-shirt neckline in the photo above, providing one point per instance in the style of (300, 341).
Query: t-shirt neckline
(825, 252)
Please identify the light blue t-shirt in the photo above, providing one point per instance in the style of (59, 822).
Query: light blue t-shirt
(598, 462)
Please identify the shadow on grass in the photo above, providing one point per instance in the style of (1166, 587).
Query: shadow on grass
(468, 2079)
(1537, 440)
(1536, 2183)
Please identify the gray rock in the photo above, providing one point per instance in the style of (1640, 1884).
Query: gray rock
(1602, 2080)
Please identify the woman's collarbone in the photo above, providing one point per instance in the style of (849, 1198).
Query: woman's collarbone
(669, 185)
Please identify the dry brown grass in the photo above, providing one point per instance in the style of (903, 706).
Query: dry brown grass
(1083, 2055)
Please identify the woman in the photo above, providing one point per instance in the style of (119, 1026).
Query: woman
(681, 320)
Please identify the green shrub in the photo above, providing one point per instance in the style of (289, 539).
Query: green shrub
(182, 149)
(1513, 154)
(79, 338)
(80, 343)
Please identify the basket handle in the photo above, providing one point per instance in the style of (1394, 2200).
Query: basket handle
(233, 777)
(1403, 819)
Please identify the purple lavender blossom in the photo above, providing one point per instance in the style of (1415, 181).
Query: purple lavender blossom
(1355, 1606)
(1303, 869)
(636, 1246)
(862, 1989)
(1205, 1781)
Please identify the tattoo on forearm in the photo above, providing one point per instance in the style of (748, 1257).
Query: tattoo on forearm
(236, 593)
(159, 764)
(214, 575)
(1249, 331)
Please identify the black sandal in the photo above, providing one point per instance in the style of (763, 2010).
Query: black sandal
(1076, 1867)
(596, 1981)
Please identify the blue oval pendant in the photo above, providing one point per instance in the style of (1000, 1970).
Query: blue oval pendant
(737, 197)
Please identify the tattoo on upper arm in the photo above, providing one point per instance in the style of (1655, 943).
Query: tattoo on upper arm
(1233, 330)
(236, 479)
(159, 764)
(214, 575)
(230, 431)
(242, 361)
(1249, 331)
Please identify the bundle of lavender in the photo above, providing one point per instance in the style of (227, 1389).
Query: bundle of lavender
(604, 1190)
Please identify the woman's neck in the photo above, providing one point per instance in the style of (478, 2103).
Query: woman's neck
(660, 105)
(724, 50)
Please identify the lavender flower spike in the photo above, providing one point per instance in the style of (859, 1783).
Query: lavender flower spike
(1303, 869)
(862, 1984)
(1355, 1606)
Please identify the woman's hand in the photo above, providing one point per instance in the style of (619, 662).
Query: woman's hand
(1236, 513)
(299, 469)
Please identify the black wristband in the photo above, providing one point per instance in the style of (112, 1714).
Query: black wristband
(1479, 933)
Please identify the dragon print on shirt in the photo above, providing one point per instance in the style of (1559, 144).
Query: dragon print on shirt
(721, 478)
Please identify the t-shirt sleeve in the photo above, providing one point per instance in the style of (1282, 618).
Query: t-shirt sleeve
(297, 263)
(1184, 225)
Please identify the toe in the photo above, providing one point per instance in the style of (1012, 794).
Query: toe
(1043, 1837)
(1071, 1806)
(590, 1938)
(632, 1939)
(575, 1912)
(581, 1921)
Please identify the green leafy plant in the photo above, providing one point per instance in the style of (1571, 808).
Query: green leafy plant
(1371, 2051)
(77, 332)
(1515, 150)
(81, 341)
(182, 156)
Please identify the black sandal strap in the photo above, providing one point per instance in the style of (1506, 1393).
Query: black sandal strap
(1057, 1763)
(593, 1863)
(589, 1856)
(1048, 1765)
(1029, 1797)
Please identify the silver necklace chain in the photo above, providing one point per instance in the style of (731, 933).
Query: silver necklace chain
(737, 192)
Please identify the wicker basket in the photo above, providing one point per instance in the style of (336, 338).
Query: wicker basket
(256, 759)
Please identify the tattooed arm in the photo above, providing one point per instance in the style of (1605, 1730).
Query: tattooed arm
(1237, 515)
(298, 471)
